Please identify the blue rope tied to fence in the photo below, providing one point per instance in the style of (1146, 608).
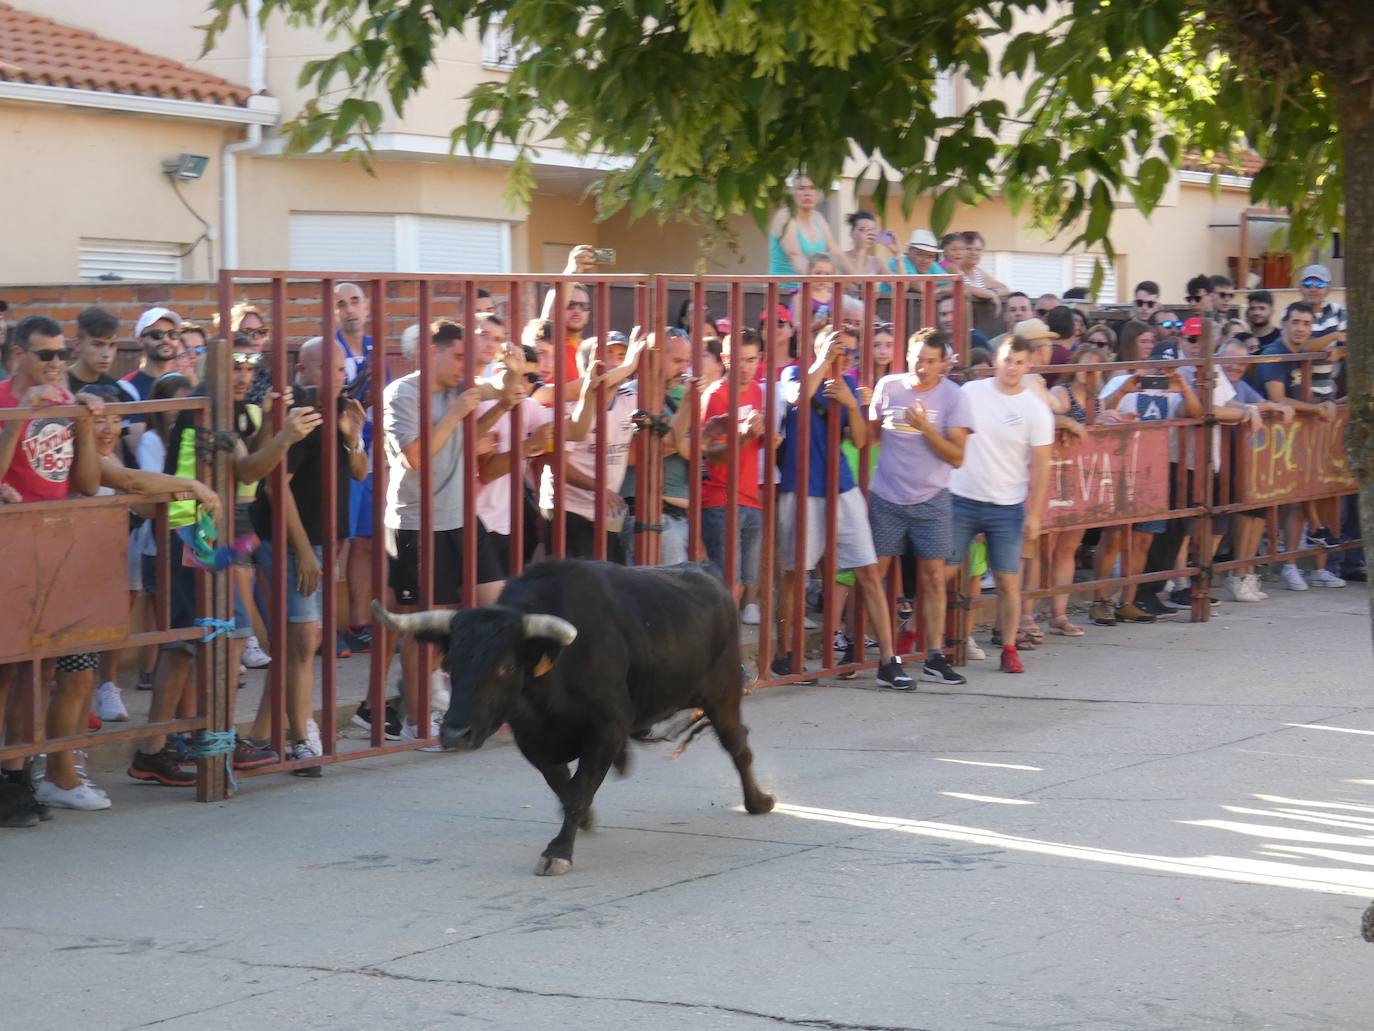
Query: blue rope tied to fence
(214, 627)
(206, 744)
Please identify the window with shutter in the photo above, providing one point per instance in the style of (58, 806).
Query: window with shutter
(944, 103)
(461, 245)
(1083, 276)
(499, 51)
(337, 242)
(1031, 274)
(131, 259)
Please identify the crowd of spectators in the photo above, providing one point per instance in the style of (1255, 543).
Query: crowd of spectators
(957, 427)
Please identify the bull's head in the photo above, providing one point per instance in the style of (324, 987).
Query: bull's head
(489, 653)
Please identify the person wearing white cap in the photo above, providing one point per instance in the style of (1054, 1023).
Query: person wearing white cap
(922, 250)
(158, 331)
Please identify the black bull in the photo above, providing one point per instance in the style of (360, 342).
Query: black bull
(578, 657)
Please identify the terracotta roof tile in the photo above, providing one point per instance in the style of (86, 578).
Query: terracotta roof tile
(1246, 163)
(43, 52)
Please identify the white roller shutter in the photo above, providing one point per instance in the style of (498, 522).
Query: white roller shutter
(461, 245)
(339, 242)
(1083, 276)
(1031, 274)
(131, 259)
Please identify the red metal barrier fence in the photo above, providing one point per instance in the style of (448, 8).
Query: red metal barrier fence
(1116, 474)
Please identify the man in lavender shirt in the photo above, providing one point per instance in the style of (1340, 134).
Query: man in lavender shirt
(924, 421)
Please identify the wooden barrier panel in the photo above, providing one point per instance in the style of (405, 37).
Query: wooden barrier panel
(68, 583)
(1304, 458)
(1117, 471)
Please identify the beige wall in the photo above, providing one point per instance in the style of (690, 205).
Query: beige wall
(73, 174)
(271, 188)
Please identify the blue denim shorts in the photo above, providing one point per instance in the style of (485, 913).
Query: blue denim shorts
(300, 608)
(746, 551)
(1000, 524)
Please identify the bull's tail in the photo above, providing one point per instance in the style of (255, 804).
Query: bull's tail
(701, 723)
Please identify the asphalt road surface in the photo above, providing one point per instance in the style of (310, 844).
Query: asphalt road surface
(1155, 827)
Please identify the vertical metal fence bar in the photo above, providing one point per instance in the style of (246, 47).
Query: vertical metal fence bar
(277, 485)
(601, 308)
(427, 572)
(558, 535)
(379, 655)
(733, 385)
(768, 562)
(330, 529)
(472, 479)
(515, 549)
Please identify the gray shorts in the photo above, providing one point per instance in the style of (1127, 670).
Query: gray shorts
(928, 526)
(853, 539)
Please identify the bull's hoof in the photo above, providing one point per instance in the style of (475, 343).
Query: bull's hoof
(552, 866)
(760, 805)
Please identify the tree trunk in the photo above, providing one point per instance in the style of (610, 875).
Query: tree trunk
(1355, 123)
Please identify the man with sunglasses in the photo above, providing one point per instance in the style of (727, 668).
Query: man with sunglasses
(577, 312)
(1225, 292)
(1046, 304)
(1146, 299)
(43, 459)
(158, 331)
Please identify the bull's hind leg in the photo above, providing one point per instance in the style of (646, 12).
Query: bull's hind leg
(734, 738)
(576, 796)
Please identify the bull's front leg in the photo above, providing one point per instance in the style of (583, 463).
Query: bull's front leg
(577, 796)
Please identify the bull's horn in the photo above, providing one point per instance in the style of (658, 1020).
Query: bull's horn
(435, 621)
(560, 630)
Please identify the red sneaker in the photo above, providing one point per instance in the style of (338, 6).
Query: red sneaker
(93, 722)
(1011, 660)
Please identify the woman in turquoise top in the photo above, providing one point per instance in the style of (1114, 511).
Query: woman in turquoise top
(794, 237)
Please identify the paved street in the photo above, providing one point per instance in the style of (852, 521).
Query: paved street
(1156, 827)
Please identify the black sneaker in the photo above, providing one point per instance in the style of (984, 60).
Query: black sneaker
(363, 718)
(1149, 603)
(15, 810)
(1182, 599)
(845, 659)
(1321, 537)
(782, 667)
(891, 674)
(937, 670)
(359, 640)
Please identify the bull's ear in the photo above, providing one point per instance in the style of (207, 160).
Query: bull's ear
(540, 655)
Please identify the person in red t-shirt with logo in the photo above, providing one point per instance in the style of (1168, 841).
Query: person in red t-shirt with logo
(42, 459)
(743, 348)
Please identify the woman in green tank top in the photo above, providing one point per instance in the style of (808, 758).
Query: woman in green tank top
(794, 237)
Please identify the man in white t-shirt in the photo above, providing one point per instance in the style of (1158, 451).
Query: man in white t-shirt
(999, 491)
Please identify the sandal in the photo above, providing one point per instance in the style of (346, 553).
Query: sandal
(1062, 626)
(1024, 641)
(1030, 628)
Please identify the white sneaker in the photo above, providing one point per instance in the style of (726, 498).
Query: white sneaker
(306, 750)
(1325, 578)
(84, 796)
(988, 583)
(750, 616)
(440, 691)
(1292, 577)
(1240, 589)
(312, 736)
(109, 706)
(1252, 585)
(410, 732)
(253, 655)
(972, 651)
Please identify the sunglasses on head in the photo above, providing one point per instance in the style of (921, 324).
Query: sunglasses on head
(53, 354)
(882, 327)
(158, 335)
(1170, 324)
(677, 331)
(579, 306)
(1314, 284)
(246, 358)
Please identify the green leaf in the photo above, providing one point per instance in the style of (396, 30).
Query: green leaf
(942, 210)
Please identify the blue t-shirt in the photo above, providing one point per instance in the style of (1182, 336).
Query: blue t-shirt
(1287, 373)
(819, 458)
(1246, 394)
